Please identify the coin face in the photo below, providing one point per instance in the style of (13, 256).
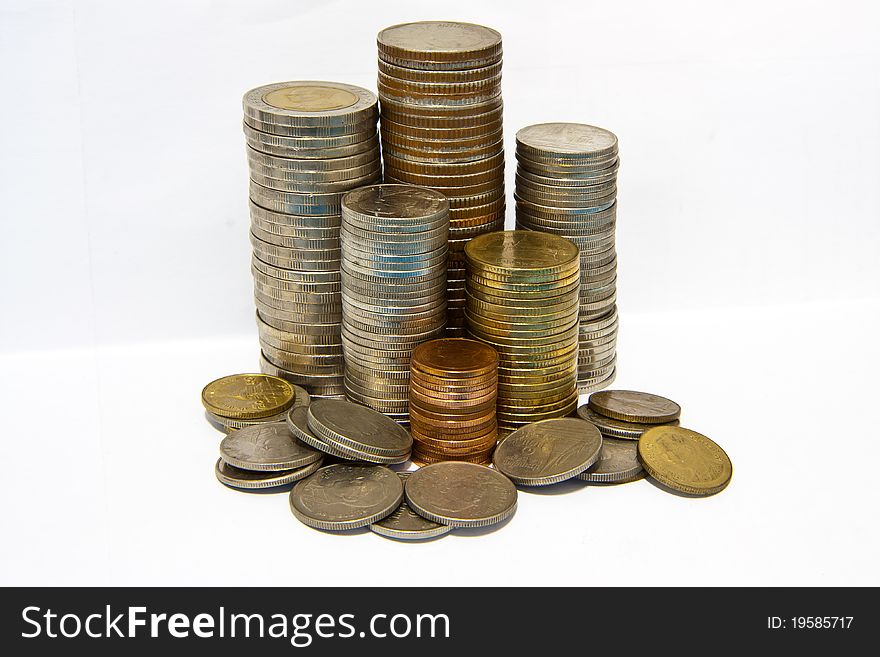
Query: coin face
(450, 356)
(608, 426)
(461, 494)
(247, 396)
(522, 249)
(632, 406)
(438, 37)
(346, 496)
(618, 463)
(253, 479)
(310, 98)
(359, 427)
(549, 451)
(396, 201)
(684, 460)
(407, 525)
(266, 447)
(567, 138)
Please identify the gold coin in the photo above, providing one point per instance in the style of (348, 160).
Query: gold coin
(248, 396)
(685, 460)
(632, 406)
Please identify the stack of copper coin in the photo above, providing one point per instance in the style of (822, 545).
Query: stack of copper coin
(441, 126)
(522, 289)
(452, 393)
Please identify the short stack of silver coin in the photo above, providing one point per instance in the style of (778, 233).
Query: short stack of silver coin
(308, 143)
(394, 250)
(566, 184)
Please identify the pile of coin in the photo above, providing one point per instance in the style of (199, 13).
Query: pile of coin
(264, 456)
(441, 124)
(453, 388)
(307, 144)
(522, 299)
(566, 184)
(394, 248)
(242, 400)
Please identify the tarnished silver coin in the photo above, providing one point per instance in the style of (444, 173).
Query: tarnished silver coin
(297, 422)
(618, 463)
(548, 451)
(407, 525)
(253, 479)
(354, 427)
(266, 447)
(608, 426)
(346, 496)
(461, 494)
(632, 406)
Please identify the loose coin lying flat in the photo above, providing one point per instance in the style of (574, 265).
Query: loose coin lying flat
(608, 426)
(461, 494)
(266, 447)
(346, 496)
(251, 479)
(247, 396)
(352, 426)
(549, 451)
(618, 463)
(684, 460)
(632, 406)
(407, 525)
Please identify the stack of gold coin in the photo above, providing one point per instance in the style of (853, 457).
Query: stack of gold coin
(453, 388)
(308, 144)
(566, 184)
(441, 125)
(394, 248)
(522, 299)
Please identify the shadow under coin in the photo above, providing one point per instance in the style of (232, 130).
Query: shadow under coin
(677, 493)
(566, 487)
(469, 532)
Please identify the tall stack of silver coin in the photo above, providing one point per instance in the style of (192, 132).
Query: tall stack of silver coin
(440, 91)
(307, 144)
(394, 251)
(566, 184)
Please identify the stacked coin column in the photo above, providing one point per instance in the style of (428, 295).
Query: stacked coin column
(566, 184)
(308, 143)
(441, 125)
(394, 250)
(522, 299)
(453, 388)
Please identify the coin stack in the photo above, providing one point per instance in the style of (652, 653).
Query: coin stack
(394, 249)
(566, 184)
(441, 124)
(453, 388)
(307, 144)
(522, 299)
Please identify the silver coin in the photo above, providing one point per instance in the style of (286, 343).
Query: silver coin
(461, 494)
(346, 496)
(297, 422)
(548, 451)
(358, 427)
(269, 447)
(618, 463)
(407, 525)
(231, 424)
(616, 428)
(252, 479)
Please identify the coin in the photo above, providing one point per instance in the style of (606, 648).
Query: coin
(618, 463)
(357, 427)
(439, 45)
(346, 496)
(632, 406)
(229, 424)
(309, 104)
(684, 460)
(610, 427)
(254, 479)
(407, 525)
(266, 447)
(548, 452)
(297, 422)
(247, 396)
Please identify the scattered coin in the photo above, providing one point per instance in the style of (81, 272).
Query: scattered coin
(610, 427)
(266, 447)
(461, 494)
(632, 406)
(247, 396)
(254, 479)
(684, 460)
(618, 463)
(407, 525)
(548, 451)
(346, 496)
(357, 428)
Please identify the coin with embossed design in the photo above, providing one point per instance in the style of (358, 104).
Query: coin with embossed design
(357, 427)
(632, 406)
(407, 525)
(266, 447)
(684, 460)
(247, 396)
(608, 426)
(618, 463)
(256, 479)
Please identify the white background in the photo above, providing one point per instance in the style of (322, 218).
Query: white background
(749, 285)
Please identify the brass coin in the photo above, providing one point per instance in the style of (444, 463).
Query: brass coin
(248, 396)
(632, 406)
(684, 460)
(439, 45)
